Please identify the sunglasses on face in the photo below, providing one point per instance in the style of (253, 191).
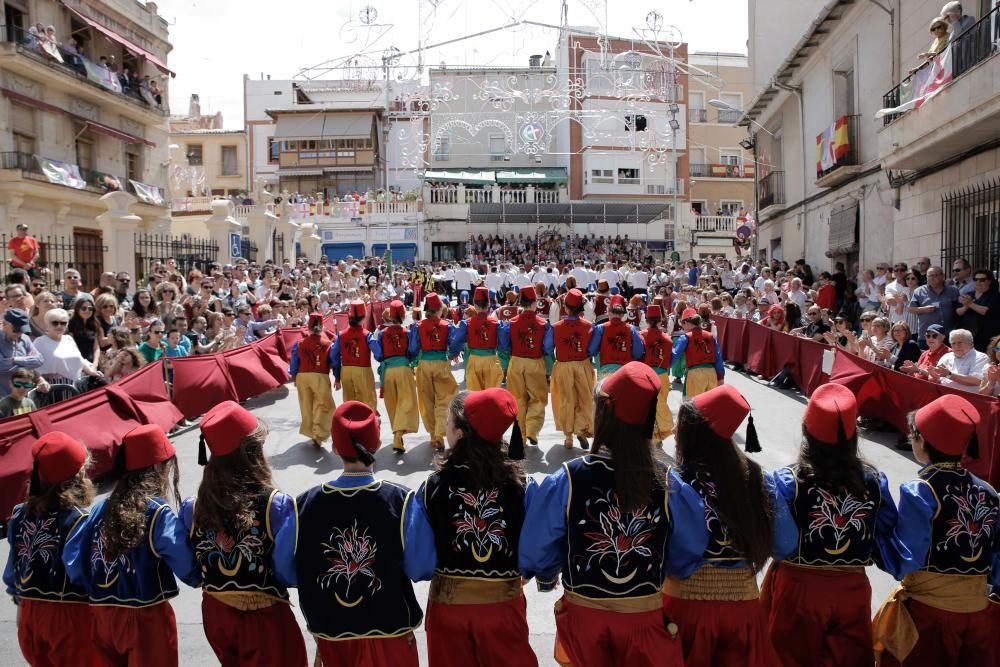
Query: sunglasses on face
(158, 332)
(23, 385)
(59, 323)
(86, 309)
(981, 280)
(931, 336)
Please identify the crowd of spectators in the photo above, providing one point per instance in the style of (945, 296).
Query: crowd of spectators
(547, 246)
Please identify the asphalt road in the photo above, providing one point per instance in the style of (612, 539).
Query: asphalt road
(298, 466)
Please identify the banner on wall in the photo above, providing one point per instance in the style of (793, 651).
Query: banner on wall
(61, 173)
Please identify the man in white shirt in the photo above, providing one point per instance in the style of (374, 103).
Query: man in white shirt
(639, 280)
(464, 278)
(519, 278)
(765, 274)
(796, 293)
(964, 366)
(610, 274)
(494, 280)
(581, 274)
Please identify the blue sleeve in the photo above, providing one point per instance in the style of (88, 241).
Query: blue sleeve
(503, 336)
(75, 552)
(720, 367)
(595, 341)
(293, 365)
(885, 521)
(8, 570)
(906, 549)
(284, 518)
(334, 358)
(419, 550)
(375, 345)
(413, 347)
(540, 552)
(688, 533)
(548, 341)
(171, 543)
(638, 348)
(786, 532)
(680, 346)
(187, 515)
(457, 334)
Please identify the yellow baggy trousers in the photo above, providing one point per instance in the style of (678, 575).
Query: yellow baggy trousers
(664, 418)
(401, 399)
(436, 387)
(526, 381)
(358, 384)
(573, 397)
(482, 372)
(315, 404)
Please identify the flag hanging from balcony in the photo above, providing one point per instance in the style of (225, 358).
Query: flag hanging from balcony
(61, 173)
(923, 84)
(832, 144)
(147, 193)
(102, 75)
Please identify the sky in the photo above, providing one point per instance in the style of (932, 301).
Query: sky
(216, 42)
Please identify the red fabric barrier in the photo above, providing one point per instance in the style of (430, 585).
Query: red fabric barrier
(16, 438)
(735, 342)
(271, 359)
(759, 350)
(340, 321)
(376, 312)
(288, 338)
(807, 369)
(149, 396)
(201, 382)
(249, 376)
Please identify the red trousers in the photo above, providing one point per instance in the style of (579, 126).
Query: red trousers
(949, 639)
(720, 632)
(820, 618)
(264, 637)
(384, 652)
(53, 634)
(135, 636)
(597, 638)
(487, 635)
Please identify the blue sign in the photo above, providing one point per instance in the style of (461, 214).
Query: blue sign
(235, 246)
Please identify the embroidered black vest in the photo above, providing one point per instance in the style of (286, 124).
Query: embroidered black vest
(349, 562)
(475, 532)
(720, 546)
(37, 545)
(240, 561)
(835, 530)
(966, 522)
(611, 553)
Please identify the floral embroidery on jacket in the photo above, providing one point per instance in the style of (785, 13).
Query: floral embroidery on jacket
(351, 554)
(479, 523)
(37, 539)
(614, 548)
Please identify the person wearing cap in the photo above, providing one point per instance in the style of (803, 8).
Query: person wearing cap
(817, 597)
(945, 548)
(351, 358)
(616, 342)
(54, 617)
(432, 343)
(239, 525)
(658, 350)
(573, 373)
(16, 348)
(703, 365)
(128, 551)
(462, 528)
(615, 537)
(398, 388)
(311, 361)
(479, 335)
(720, 616)
(356, 598)
(527, 338)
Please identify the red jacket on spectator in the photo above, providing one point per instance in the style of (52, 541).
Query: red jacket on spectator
(827, 298)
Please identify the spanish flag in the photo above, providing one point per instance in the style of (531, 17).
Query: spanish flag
(832, 144)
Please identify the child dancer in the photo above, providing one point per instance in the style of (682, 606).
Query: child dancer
(399, 389)
(658, 350)
(351, 358)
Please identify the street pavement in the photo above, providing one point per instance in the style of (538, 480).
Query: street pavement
(298, 466)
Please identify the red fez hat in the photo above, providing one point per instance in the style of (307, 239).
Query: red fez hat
(358, 308)
(58, 457)
(688, 314)
(432, 304)
(224, 428)
(617, 301)
(832, 410)
(948, 424)
(481, 294)
(355, 431)
(653, 311)
(315, 320)
(725, 408)
(574, 298)
(397, 309)
(633, 389)
(528, 293)
(490, 412)
(146, 446)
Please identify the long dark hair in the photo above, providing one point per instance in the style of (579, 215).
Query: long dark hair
(631, 448)
(77, 491)
(79, 326)
(231, 484)
(125, 516)
(484, 464)
(742, 503)
(834, 466)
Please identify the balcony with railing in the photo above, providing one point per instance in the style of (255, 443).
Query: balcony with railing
(840, 155)
(696, 170)
(77, 66)
(771, 189)
(958, 96)
(63, 174)
(716, 224)
(459, 194)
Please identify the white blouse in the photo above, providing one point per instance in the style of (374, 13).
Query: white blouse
(60, 357)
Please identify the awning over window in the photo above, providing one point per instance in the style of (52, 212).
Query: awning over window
(460, 176)
(843, 231)
(529, 175)
(300, 172)
(348, 168)
(612, 213)
(93, 125)
(31, 101)
(305, 126)
(127, 44)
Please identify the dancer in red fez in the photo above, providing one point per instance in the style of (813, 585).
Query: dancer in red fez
(482, 366)
(817, 597)
(616, 342)
(399, 389)
(704, 368)
(126, 553)
(462, 530)
(53, 616)
(606, 522)
(238, 525)
(718, 610)
(310, 370)
(658, 349)
(357, 600)
(527, 339)
(430, 343)
(573, 373)
(945, 549)
(351, 358)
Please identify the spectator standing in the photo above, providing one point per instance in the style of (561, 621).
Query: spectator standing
(963, 52)
(934, 303)
(71, 288)
(979, 311)
(962, 368)
(16, 349)
(961, 276)
(24, 250)
(85, 330)
(123, 281)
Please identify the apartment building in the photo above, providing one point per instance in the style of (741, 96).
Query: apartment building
(206, 160)
(83, 90)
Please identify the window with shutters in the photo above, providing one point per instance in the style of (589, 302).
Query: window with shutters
(229, 162)
(843, 231)
(23, 127)
(133, 166)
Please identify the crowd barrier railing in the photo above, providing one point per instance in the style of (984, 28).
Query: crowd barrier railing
(882, 392)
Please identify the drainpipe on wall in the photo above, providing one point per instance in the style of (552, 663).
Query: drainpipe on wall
(797, 91)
